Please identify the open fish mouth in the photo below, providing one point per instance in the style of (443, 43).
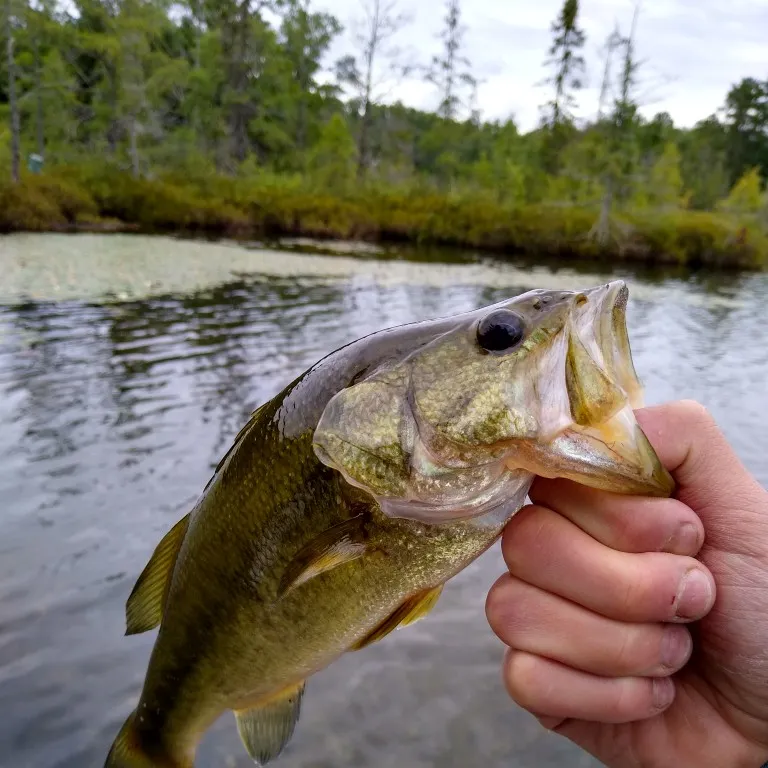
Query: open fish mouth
(604, 447)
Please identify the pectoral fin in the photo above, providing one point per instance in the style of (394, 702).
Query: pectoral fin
(413, 609)
(265, 730)
(144, 608)
(340, 544)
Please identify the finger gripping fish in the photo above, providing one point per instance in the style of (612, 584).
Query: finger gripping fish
(348, 500)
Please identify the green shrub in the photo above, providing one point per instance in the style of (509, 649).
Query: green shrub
(72, 200)
(28, 208)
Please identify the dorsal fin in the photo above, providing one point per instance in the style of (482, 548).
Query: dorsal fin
(339, 544)
(144, 608)
(266, 729)
(413, 609)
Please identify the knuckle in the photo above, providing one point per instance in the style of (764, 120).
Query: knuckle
(497, 604)
(698, 414)
(626, 652)
(509, 610)
(524, 539)
(627, 531)
(631, 596)
(523, 681)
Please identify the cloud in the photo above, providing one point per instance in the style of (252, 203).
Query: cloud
(692, 51)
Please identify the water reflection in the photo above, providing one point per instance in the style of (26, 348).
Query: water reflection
(111, 418)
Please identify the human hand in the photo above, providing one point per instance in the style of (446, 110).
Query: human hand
(605, 645)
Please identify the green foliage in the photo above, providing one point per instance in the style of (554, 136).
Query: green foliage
(664, 187)
(331, 162)
(746, 196)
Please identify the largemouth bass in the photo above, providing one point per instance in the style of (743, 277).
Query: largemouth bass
(348, 500)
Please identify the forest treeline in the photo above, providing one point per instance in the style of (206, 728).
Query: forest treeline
(226, 116)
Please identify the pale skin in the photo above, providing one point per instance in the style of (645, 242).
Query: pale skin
(605, 647)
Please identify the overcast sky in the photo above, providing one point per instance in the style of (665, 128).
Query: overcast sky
(694, 50)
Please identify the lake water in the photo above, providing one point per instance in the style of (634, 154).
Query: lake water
(127, 365)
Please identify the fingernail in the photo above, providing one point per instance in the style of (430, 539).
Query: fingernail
(676, 645)
(694, 595)
(685, 541)
(662, 692)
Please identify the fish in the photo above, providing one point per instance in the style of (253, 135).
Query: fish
(348, 500)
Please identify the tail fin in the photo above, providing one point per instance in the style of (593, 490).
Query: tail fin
(129, 751)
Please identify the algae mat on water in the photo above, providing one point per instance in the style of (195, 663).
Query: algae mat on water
(120, 267)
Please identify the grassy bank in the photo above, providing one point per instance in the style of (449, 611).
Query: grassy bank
(271, 206)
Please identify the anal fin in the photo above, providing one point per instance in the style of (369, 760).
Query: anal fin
(414, 608)
(144, 609)
(266, 729)
(340, 544)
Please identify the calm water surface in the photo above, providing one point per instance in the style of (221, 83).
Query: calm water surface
(127, 365)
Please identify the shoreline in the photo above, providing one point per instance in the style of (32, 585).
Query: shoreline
(247, 210)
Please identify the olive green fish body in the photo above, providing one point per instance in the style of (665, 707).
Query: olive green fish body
(350, 498)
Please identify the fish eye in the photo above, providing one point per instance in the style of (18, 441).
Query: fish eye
(500, 331)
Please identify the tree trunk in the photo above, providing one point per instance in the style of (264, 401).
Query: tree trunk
(114, 128)
(134, 148)
(370, 54)
(12, 103)
(39, 121)
(235, 39)
(362, 145)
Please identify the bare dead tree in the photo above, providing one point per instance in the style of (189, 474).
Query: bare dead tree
(380, 62)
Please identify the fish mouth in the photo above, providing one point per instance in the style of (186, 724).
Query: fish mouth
(604, 447)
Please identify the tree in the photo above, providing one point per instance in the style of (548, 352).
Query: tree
(746, 115)
(567, 62)
(306, 38)
(381, 21)
(617, 159)
(665, 182)
(611, 44)
(10, 61)
(246, 45)
(704, 162)
(746, 196)
(332, 158)
(450, 71)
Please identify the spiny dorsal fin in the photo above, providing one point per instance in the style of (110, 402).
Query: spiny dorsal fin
(413, 609)
(144, 608)
(265, 730)
(339, 544)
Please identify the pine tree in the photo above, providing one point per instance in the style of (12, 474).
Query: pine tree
(450, 71)
(567, 62)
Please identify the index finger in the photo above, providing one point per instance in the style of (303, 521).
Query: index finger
(624, 523)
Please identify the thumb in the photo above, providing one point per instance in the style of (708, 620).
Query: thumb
(710, 477)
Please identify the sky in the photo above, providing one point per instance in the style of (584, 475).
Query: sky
(692, 51)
